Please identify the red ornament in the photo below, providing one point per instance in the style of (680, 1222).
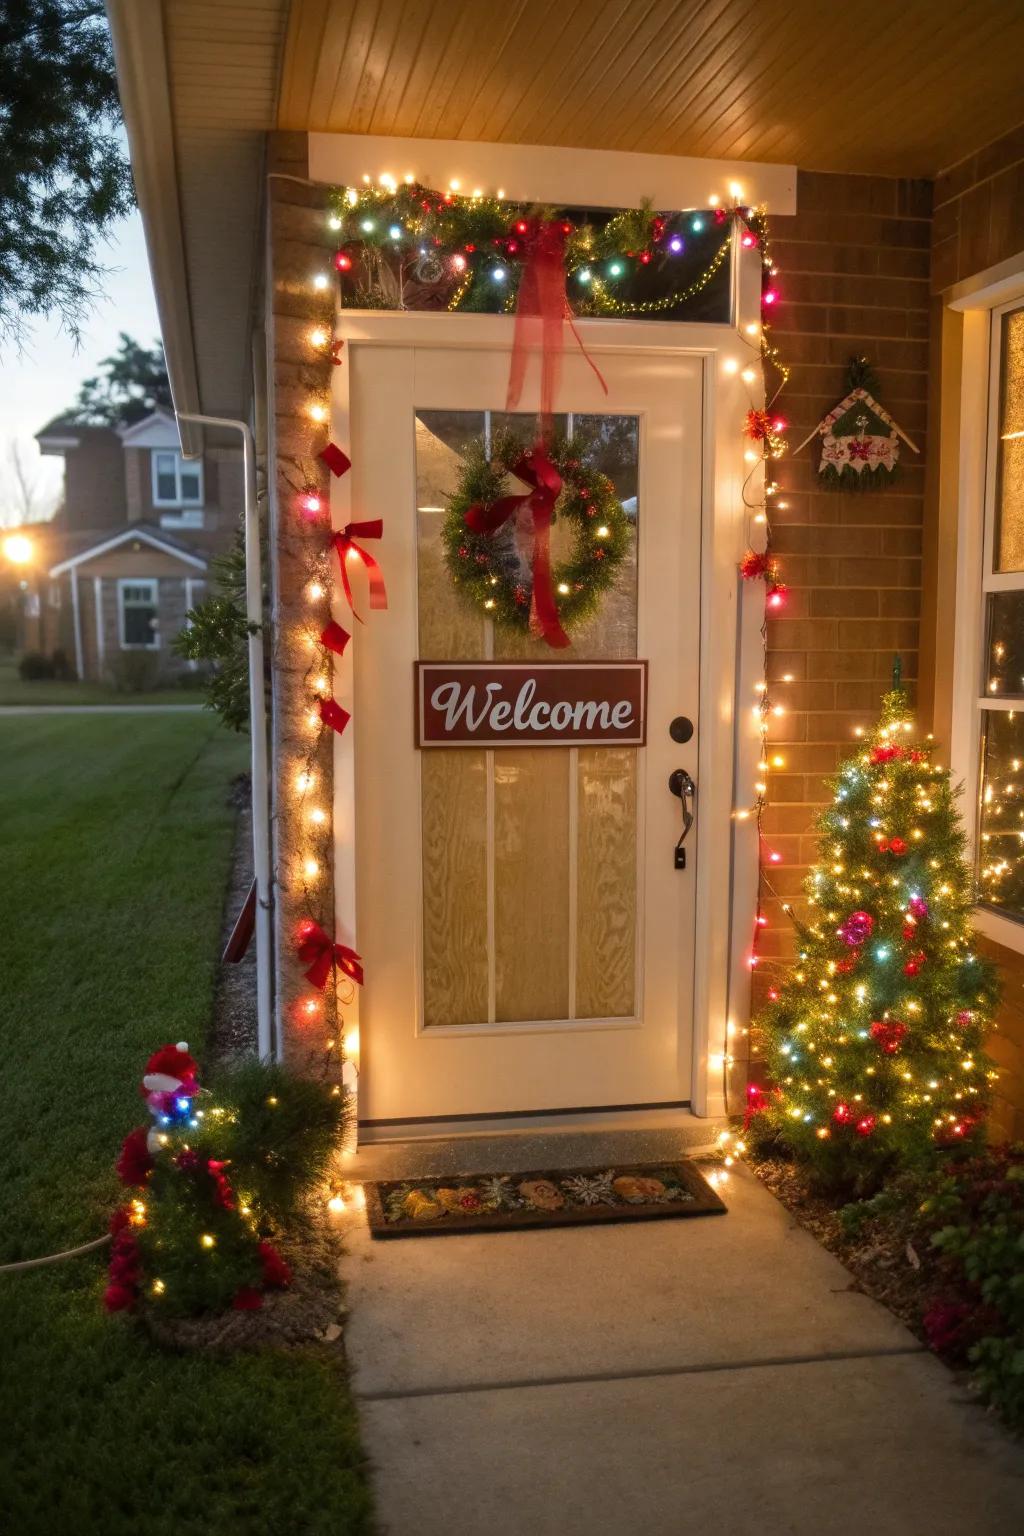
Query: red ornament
(776, 595)
(343, 261)
(842, 1114)
(965, 1018)
(865, 1125)
(897, 846)
(890, 1034)
(645, 258)
(463, 552)
(885, 754)
(914, 962)
(857, 928)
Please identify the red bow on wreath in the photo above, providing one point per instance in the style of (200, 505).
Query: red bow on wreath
(320, 953)
(537, 470)
(345, 543)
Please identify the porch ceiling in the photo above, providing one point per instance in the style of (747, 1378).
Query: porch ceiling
(896, 90)
(874, 88)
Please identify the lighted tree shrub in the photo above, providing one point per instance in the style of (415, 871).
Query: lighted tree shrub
(873, 1042)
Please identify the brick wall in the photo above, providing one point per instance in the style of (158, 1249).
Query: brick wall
(94, 489)
(299, 244)
(853, 279)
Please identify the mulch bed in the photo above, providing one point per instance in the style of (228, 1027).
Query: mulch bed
(884, 1260)
(233, 1027)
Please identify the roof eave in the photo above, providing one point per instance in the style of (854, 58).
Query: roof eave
(136, 28)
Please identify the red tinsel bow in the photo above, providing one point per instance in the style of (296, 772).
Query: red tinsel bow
(536, 470)
(542, 303)
(320, 954)
(345, 543)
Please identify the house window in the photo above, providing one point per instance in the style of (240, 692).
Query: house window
(176, 482)
(137, 615)
(1000, 824)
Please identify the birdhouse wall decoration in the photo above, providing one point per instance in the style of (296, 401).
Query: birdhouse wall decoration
(860, 442)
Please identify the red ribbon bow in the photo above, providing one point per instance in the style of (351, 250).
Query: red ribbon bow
(345, 543)
(320, 953)
(537, 470)
(542, 302)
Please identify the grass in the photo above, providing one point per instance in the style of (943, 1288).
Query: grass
(114, 847)
(15, 690)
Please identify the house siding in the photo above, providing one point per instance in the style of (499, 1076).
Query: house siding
(853, 280)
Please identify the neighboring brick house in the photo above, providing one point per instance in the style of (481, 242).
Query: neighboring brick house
(128, 553)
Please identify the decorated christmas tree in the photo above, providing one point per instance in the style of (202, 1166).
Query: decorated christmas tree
(873, 1043)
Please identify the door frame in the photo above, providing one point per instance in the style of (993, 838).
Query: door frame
(731, 646)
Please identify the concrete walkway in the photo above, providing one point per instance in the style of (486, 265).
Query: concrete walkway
(711, 1375)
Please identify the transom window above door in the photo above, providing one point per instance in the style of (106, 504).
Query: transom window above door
(177, 482)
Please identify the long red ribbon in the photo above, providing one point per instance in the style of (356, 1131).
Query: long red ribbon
(345, 543)
(542, 304)
(536, 470)
(320, 953)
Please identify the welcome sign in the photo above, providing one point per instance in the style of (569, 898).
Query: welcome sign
(535, 704)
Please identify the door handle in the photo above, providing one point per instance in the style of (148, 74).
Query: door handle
(681, 784)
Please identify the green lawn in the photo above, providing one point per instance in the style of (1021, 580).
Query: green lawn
(14, 690)
(114, 845)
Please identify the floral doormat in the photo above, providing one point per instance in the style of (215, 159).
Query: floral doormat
(478, 1202)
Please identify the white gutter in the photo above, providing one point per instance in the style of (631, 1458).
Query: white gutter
(137, 32)
(257, 731)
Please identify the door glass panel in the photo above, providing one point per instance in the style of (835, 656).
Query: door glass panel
(529, 854)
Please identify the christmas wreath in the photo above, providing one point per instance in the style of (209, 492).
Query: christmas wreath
(484, 527)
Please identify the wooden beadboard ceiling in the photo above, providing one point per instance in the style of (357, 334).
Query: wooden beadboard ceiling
(873, 87)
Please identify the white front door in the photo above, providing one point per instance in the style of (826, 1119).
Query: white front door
(526, 935)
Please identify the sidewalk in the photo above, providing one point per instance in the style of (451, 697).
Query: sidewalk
(712, 1375)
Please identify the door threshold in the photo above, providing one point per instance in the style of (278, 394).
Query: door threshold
(587, 1139)
(614, 1117)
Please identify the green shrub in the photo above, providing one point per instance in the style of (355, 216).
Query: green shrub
(35, 667)
(977, 1210)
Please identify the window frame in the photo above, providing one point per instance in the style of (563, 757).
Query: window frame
(976, 577)
(153, 583)
(193, 466)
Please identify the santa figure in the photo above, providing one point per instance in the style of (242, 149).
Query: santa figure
(169, 1086)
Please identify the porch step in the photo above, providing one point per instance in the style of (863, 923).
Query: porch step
(649, 1136)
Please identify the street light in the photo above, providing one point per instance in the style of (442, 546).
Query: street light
(17, 548)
